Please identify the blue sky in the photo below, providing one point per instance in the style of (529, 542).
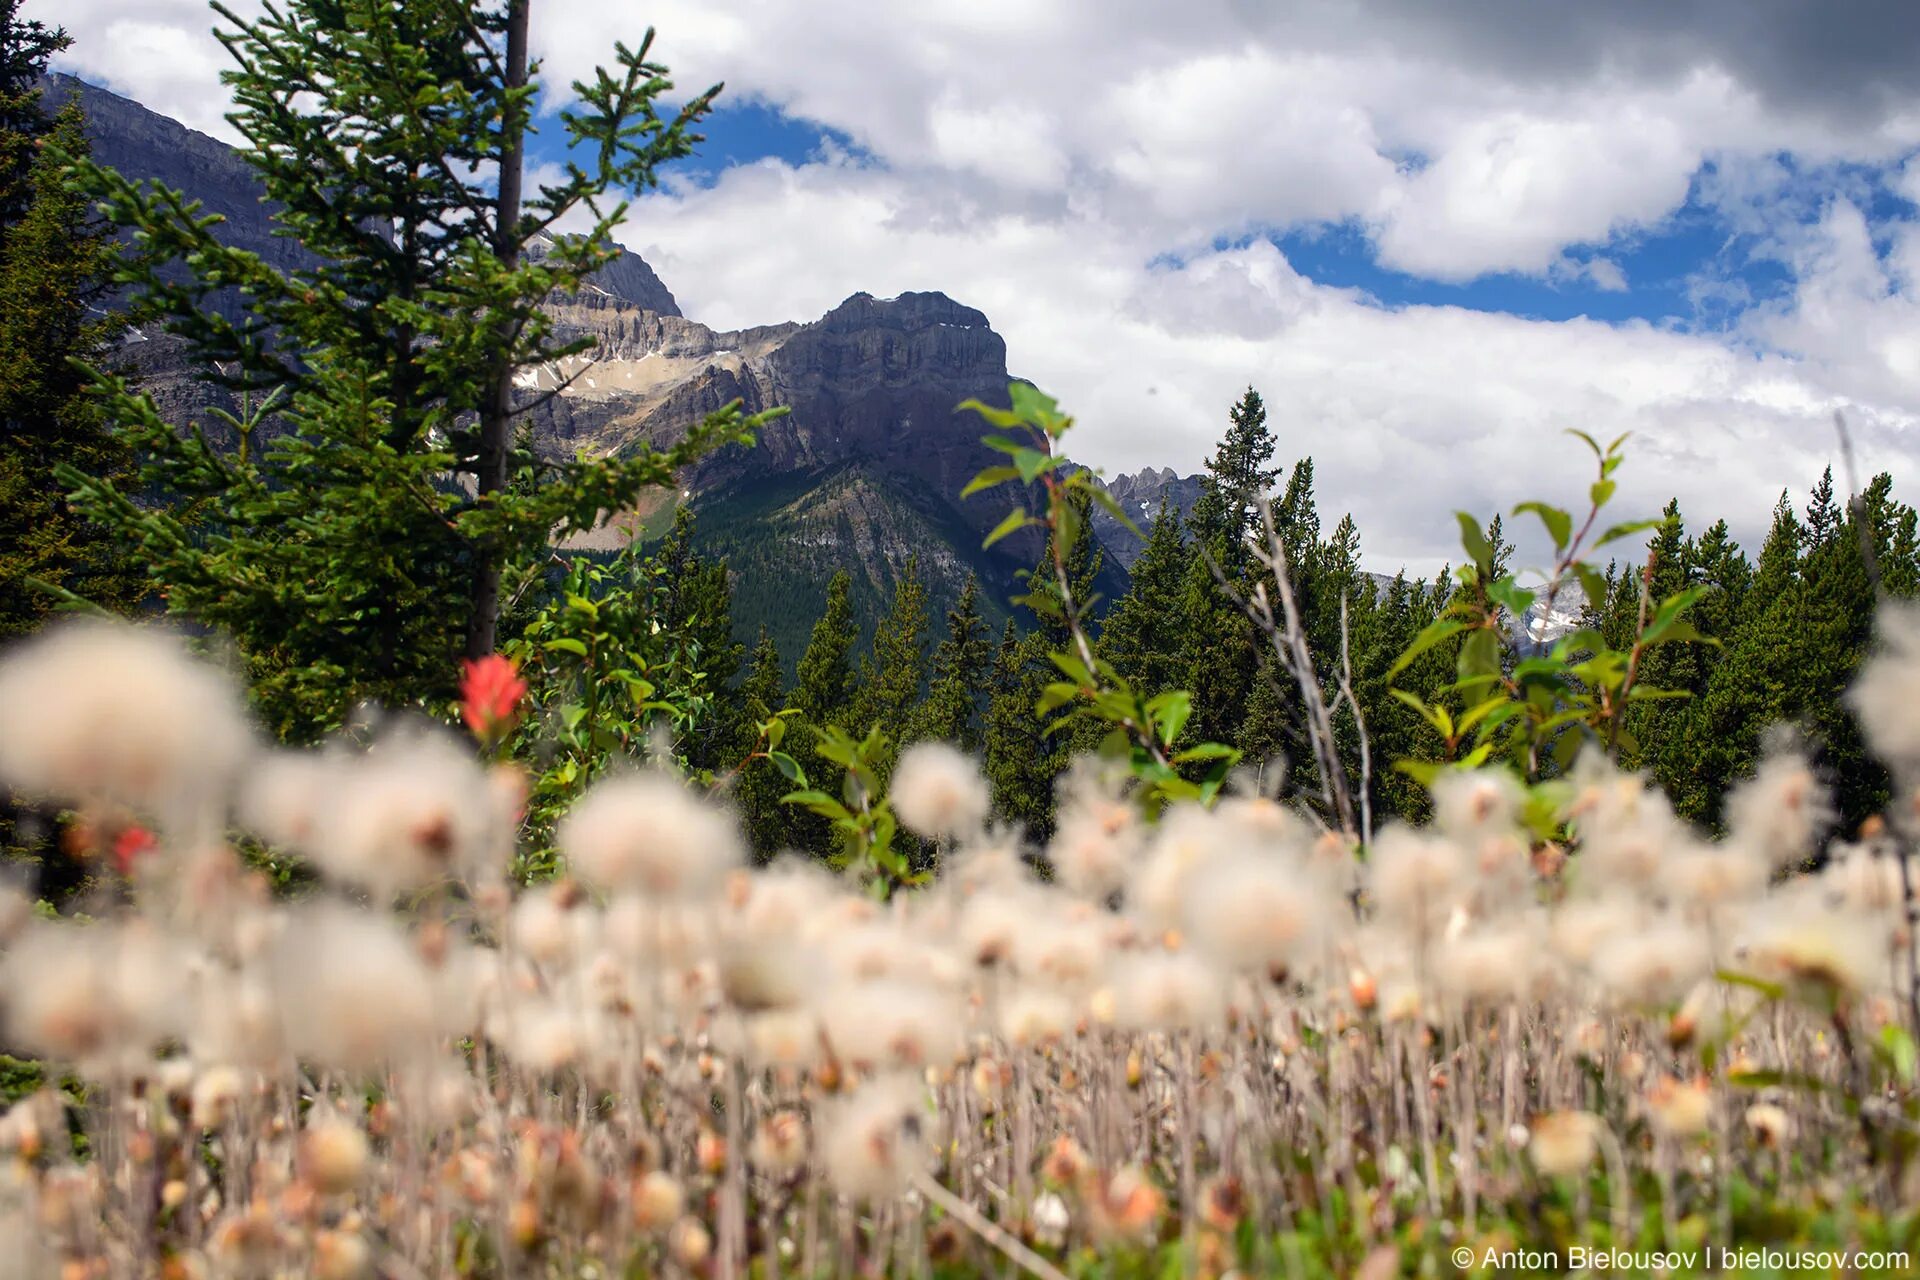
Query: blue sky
(1435, 236)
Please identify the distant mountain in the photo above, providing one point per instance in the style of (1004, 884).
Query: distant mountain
(1139, 494)
(863, 474)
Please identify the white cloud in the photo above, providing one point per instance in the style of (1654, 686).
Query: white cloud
(1407, 411)
(1042, 161)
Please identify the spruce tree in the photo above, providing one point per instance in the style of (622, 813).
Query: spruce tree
(1754, 684)
(1142, 635)
(360, 550)
(962, 666)
(823, 681)
(53, 260)
(25, 49)
(697, 603)
(1022, 759)
(758, 788)
(890, 679)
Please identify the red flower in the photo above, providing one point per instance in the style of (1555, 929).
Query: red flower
(130, 845)
(490, 694)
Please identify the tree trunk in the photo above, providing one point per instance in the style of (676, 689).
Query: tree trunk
(484, 621)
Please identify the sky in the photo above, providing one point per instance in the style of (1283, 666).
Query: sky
(1435, 236)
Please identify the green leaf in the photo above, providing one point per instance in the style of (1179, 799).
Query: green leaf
(1602, 492)
(1559, 523)
(1475, 714)
(1511, 596)
(1474, 539)
(1480, 655)
(998, 417)
(1032, 404)
(819, 802)
(1170, 712)
(1435, 632)
(989, 478)
(1029, 463)
(1593, 584)
(1626, 529)
(1207, 751)
(1592, 444)
(1666, 617)
(1016, 520)
(567, 644)
(789, 768)
(1899, 1048)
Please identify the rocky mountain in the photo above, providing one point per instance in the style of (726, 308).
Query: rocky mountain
(1139, 494)
(864, 473)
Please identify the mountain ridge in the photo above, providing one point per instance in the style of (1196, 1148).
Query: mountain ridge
(870, 457)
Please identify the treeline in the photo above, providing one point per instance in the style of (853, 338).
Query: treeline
(1783, 634)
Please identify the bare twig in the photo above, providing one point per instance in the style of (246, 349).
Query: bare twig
(1289, 640)
(987, 1229)
(1346, 694)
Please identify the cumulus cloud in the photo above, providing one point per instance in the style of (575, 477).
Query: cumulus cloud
(1407, 411)
(1101, 180)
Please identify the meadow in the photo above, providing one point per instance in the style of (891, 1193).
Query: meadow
(1215, 1042)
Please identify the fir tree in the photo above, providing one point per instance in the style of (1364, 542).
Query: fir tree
(823, 682)
(891, 678)
(759, 786)
(1022, 759)
(1142, 634)
(53, 260)
(25, 49)
(962, 666)
(697, 603)
(388, 135)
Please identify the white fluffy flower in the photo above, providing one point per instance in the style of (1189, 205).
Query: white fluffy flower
(414, 810)
(938, 792)
(876, 1142)
(1888, 689)
(647, 832)
(123, 714)
(1257, 912)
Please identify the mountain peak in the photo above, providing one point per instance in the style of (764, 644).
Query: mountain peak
(908, 311)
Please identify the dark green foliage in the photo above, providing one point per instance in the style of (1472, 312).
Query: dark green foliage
(962, 666)
(54, 257)
(1022, 759)
(1142, 635)
(697, 603)
(355, 545)
(890, 679)
(823, 683)
(25, 48)
(757, 788)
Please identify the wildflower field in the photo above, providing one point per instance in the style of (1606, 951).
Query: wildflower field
(1213, 1043)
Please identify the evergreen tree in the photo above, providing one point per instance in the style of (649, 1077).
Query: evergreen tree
(891, 678)
(823, 682)
(1142, 634)
(1220, 655)
(962, 667)
(1238, 472)
(759, 786)
(388, 136)
(697, 603)
(1754, 683)
(1022, 759)
(53, 260)
(25, 49)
